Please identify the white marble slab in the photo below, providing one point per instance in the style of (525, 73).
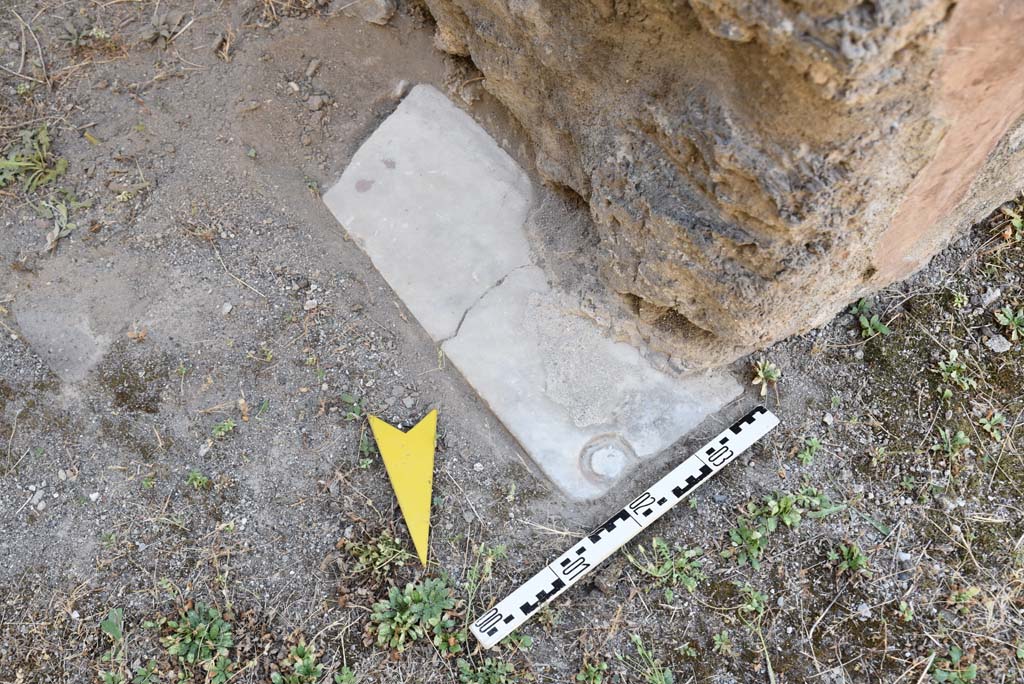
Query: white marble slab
(440, 208)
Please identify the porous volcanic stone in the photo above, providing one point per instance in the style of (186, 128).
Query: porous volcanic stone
(753, 166)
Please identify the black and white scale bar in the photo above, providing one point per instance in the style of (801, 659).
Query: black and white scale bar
(588, 553)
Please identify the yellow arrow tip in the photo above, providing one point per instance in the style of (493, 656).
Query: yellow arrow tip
(409, 460)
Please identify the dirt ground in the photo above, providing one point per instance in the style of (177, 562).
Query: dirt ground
(190, 347)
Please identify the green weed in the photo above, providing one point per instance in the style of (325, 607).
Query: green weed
(993, 425)
(749, 538)
(592, 672)
(869, 327)
(490, 671)
(765, 373)
(422, 610)
(1012, 321)
(951, 442)
(849, 558)
(962, 599)
(748, 541)
(754, 601)
(115, 658)
(861, 307)
(950, 669)
(481, 570)
(353, 407)
(810, 450)
(301, 667)
(377, 558)
(201, 638)
(722, 643)
(649, 669)
(954, 371)
(197, 480)
(223, 428)
(669, 567)
(345, 676)
(31, 161)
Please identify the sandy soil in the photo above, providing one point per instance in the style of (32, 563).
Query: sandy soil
(203, 281)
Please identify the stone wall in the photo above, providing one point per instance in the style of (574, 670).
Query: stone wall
(751, 167)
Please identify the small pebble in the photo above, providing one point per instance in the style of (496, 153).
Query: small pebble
(309, 305)
(478, 467)
(373, 11)
(991, 295)
(314, 64)
(94, 497)
(400, 89)
(998, 344)
(225, 308)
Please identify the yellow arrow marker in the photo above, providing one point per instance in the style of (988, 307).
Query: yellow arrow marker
(409, 458)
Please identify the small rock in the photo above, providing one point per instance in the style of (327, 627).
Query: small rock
(225, 308)
(864, 611)
(409, 402)
(904, 559)
(607, 578)
(373, 11)
(62, 475)
(991, 295)
(828, 419)
(41, 506)
(37, 497)
(316, 102)
(205, 449)
(314, 64)
(400, 89)
(309, 305)
(478, 467)
(94, 497)
(293, 86)
(719, 498)
(998, 344)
